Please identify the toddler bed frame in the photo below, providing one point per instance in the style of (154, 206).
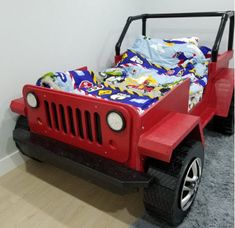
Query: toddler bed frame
(160, 150)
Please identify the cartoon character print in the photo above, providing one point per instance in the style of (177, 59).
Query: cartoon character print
(104, 92)
(115, 79)
(170, 72)
(136, 59)
(139, 101)
(62, 76)
(177, 54)
(103, 75)
(113, 75)
(85, 84)
(124, 56)
(48, 80)
(146, 86)
(79, 73)
(119, 96)
(180, 73)
(115, 71)
(95, 88)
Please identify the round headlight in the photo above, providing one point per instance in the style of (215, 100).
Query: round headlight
(116, 121)
(32, 100)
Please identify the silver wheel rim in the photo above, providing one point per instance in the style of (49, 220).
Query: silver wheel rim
(190, 184)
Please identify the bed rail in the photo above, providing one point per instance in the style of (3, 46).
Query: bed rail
(224, 18)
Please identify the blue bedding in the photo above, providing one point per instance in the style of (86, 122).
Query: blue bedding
(84, 82)
(147, 71)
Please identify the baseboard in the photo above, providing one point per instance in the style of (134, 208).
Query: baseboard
(11, 161)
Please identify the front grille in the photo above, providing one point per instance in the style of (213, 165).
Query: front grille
(73, 121)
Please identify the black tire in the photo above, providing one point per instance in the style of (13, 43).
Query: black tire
(162, 198)
(225, 125)
(22, 123)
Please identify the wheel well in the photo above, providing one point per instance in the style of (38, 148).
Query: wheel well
(194, 135)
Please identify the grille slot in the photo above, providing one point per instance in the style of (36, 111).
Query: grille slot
(88, 125)
(71, 120)
(75, 121)
(48, 115)
(98, 128)
(62, 117)
(79, 123)
(55, 115)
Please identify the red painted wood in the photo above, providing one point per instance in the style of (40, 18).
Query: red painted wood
(223, 91)
(155, 133)
(160, 141)
(18, 106)
(218, 93)
(83, 68)
(176, 100)
(117, 58)
(115, 146)
(206, 115)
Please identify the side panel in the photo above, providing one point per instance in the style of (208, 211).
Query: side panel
(160, 141)
(80, 121)
(175, 101)
(222, 62)
(223, 91)
(218, 92)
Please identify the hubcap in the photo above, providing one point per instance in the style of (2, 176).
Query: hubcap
(190, 184)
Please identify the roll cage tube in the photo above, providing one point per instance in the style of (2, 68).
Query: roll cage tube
(224, 17)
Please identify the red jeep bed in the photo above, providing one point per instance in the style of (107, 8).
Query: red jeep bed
(161, 150)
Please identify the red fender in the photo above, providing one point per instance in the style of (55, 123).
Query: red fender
(160, 141)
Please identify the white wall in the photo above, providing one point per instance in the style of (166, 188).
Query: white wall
(47, 35)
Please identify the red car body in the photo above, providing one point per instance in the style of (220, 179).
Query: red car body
(154, 134)
(160, 150)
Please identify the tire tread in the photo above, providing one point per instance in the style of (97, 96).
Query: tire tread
(160, 196)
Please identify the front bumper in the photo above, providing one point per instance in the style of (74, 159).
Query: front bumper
(104, 172)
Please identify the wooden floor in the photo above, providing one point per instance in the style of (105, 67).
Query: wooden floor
(39, 195)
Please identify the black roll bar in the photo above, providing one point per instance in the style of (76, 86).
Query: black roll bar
(224, 17)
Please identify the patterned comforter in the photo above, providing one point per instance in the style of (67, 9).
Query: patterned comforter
(146, 72)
